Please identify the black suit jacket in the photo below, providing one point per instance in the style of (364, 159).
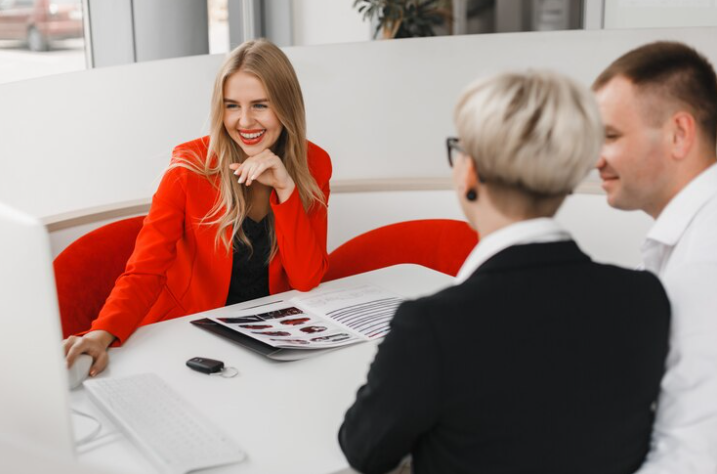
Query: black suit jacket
(541, 362)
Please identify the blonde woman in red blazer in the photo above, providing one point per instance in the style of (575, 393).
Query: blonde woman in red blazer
(256, 168)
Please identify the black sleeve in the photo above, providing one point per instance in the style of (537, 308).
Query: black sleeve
(400, 400)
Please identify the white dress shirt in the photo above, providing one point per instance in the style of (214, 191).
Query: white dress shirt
(532, 231)
(681, 248)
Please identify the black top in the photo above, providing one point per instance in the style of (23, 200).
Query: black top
(250, 270)
(541, 362)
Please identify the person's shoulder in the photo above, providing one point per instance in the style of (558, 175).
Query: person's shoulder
(192, 152)
(315, 151)
(618, 273)
(640, 284)
(440, 303)
(319, 161)
(701, 232)
(189, 160)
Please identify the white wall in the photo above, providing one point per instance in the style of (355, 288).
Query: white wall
(328, 21)
(606, 234)
(659, 13)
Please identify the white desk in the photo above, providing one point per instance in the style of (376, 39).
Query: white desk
(285, 415)
(18, 456)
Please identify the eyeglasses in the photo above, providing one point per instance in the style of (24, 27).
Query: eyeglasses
(453, 149)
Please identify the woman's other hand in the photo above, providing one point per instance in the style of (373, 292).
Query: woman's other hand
(94, 343)
(267, 169)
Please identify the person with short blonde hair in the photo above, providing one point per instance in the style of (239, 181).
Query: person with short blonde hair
(239, 214)
(538, 359)
(515, 127)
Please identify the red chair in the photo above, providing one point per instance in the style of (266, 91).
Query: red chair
(86, 270)
(440, 244)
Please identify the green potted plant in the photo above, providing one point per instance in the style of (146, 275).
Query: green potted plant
(405, 18)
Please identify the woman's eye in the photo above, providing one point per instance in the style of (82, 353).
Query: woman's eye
(231, 106)
(260, 106)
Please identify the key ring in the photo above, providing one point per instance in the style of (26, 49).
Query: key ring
(227, 372)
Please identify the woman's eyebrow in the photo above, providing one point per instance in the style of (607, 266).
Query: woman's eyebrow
(252, 102)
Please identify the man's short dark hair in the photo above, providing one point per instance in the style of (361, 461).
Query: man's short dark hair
(672, 70)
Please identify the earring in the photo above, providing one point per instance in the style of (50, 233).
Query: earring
(472, 195)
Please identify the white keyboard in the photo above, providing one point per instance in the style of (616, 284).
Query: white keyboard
(170, 431)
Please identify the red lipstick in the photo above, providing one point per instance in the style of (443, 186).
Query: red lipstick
(251, 137)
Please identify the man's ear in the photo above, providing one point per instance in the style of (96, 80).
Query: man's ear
(683, 130)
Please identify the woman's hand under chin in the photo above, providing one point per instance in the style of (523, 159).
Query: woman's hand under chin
(267, 169)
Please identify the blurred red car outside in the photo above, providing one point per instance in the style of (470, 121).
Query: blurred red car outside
(39, 22)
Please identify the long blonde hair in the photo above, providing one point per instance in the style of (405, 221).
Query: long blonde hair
(270, 65)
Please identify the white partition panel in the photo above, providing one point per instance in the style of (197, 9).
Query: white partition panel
(79, 141)
(382, 109)
(607, 234)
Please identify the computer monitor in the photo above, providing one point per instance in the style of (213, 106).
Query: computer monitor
(34, 399)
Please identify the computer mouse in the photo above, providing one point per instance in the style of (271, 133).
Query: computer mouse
(79, 370)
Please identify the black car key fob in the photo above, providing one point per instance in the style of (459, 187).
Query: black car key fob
(204, 365)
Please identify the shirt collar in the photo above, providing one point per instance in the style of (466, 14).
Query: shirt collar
(679, 212)
(524, 232)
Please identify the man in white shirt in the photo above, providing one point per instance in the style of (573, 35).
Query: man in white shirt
(659, 108)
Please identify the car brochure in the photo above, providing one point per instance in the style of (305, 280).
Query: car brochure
(319, 319)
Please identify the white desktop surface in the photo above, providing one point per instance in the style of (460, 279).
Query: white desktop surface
(19, 456)
(285, 415)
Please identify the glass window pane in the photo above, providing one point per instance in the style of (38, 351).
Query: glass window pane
(40, 37)
(218, 27)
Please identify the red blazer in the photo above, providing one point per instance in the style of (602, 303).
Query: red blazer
(176, 269)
